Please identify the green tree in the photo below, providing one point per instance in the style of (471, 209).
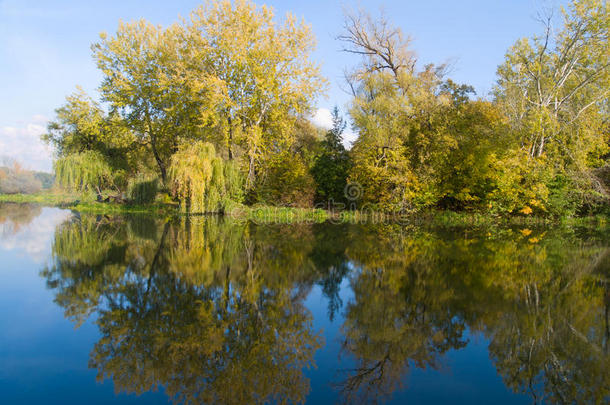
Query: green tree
(401, 115)
(86, 171)
(202, 181)
(332, 165)
(147, 81)
(554, 89)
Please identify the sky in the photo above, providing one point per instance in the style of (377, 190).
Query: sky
(45, 49)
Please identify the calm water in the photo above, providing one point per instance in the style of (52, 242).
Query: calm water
(140, 309)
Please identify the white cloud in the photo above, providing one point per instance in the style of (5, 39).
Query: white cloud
(33, 239)
(323, 118)
(349, 137)
(23, 144)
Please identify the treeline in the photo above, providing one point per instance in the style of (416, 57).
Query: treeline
(214, 110)
(14, 179)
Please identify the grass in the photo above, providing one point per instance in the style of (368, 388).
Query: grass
(287, 215)
(86, 203)
(279, 215)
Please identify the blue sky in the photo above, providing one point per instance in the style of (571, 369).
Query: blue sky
(45, 48)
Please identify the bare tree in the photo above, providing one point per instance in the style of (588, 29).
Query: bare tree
(383, 46)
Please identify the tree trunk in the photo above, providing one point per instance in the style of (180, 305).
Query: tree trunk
(230, 141)
(160, 162)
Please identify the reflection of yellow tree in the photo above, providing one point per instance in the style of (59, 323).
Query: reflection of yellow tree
(14, 216)
(402, 311)
(209, 309)
(204, 348)
(552, 341)
(90, 254)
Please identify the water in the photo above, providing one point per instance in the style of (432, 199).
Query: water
(141, 309)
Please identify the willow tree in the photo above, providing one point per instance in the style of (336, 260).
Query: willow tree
(201, 180)
(86, 171)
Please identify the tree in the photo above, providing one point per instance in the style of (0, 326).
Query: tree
(287, 179)
(202, 181)
(82, 128)
(332, 165)
(267, 78)
(149, 84)
(15, 179)
(84, 171)
(555, 88)
(227, 75)
(82, 125)
(401, 114)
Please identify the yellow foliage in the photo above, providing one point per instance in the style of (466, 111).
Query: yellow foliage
(526, 232)
(526, 210)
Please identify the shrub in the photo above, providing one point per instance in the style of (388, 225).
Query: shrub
(143, 189)
(18, 181)
(288, 182)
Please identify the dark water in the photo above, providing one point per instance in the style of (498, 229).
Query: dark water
(140, 309)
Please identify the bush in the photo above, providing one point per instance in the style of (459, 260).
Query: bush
(143, 189)
(18, 181)
(288, 182)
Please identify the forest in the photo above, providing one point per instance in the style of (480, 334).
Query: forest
(214, 111)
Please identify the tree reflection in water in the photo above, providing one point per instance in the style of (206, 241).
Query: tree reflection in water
(213, 310)
(14, 216)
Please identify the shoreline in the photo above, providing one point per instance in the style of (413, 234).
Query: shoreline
(287, 215)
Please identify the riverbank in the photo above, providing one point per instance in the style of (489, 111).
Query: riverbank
(272, 214)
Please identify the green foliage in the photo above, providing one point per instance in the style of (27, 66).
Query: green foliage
(201, 180)
(46, 179)
(332, 165)
(84, 171)
(287, 182)
(229, 75)
(554, 90)
(234, 79)
(536, 149)
(143, 189)
(81, 125)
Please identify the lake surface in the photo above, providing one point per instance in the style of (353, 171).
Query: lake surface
(141, 309)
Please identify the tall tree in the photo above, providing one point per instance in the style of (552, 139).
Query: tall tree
(400, 113)
(267, 75)
(331, 167)
(147, 81)
(555, 90)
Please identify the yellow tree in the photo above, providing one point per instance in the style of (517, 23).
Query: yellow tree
(555, 89)
(148, 82)
(265, 71)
